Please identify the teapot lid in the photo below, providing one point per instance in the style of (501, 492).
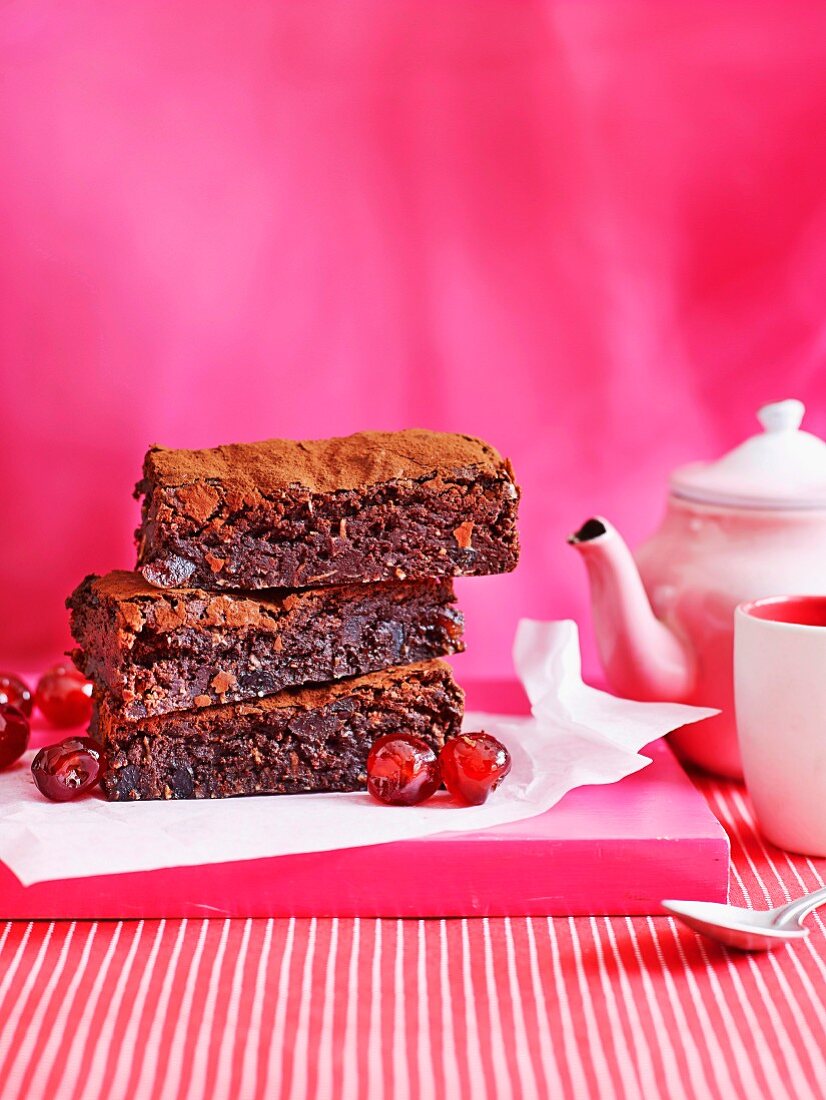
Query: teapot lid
(783, 467)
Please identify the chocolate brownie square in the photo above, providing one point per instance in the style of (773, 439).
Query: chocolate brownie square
(369, 507)
(155, 650)
(301, 740)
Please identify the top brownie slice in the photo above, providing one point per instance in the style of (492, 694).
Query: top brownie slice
(367, 507)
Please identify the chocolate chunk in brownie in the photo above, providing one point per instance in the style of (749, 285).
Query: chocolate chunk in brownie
(368, 507)
(157, 650)
(301, 740)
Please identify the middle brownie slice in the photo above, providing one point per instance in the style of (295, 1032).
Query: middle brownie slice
(156, 650)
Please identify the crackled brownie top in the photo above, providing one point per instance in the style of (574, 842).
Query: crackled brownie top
(122, 584)
(136, 599)
(325, 465)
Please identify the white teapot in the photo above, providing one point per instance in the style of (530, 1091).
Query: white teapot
(752, 524)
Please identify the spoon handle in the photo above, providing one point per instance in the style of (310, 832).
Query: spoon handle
(797, 910)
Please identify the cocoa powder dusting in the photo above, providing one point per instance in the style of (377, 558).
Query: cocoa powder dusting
(320, 466)
(198, 501)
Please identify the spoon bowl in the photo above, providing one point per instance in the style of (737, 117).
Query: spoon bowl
(747, 929)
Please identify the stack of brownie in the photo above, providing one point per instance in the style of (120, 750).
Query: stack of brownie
(291, 605)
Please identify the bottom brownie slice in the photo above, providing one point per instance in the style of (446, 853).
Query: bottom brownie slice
(303, 739)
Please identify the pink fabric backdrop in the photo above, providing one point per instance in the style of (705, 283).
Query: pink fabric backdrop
(593, 234)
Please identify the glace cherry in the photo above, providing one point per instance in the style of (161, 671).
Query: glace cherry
(14, 734)
(402, 770)
(68, 769)
(473, 765)
(16, 692)
(64, 696)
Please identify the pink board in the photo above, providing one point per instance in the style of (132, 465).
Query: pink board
(618, 849)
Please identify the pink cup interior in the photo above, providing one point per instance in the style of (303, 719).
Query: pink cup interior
(796, 610)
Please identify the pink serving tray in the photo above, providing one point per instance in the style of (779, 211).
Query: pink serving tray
(618, 849)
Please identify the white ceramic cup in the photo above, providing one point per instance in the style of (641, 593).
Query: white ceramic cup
(780, 701)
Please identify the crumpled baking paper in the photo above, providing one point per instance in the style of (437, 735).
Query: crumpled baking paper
(577, 735)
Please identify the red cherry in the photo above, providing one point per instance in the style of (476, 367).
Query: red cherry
(68, 769)
(402, 770)
(15, 691)
(473, 765)
(14, 734)
(64, 695)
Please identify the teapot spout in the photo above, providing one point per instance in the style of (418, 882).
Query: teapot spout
(641, 656)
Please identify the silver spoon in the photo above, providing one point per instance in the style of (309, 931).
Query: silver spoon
(748, 929)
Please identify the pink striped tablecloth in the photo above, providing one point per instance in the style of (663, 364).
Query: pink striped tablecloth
(585, 1007)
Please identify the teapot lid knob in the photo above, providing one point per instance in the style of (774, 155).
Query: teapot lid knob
(782, 416)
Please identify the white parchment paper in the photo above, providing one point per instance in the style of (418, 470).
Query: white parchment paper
(577, 735)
